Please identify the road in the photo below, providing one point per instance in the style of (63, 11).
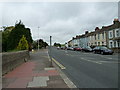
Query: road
(88, 70)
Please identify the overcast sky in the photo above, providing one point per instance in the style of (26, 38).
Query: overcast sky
(61, 20)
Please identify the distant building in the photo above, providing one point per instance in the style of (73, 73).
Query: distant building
(75, 41)
(99, 37)
(70, 43)
(91, 41)
(106, 36)
(83, 40)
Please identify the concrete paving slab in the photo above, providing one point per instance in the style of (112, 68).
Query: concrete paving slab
(49, 68)
(41, 78)
(35, 73)
(38, 82)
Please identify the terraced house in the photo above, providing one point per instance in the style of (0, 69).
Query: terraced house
(83, 39)
(98, 37)
(113, 35)
(106, 36)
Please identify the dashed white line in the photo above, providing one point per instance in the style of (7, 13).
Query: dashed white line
(91, 61)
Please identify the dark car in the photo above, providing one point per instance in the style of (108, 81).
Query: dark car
(87, 49)
(102, 50)
(63, 47)
(77, 48)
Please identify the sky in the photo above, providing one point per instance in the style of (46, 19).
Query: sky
(61, 20)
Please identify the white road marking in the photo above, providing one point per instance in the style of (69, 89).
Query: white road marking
(86, 53)
(65, 51)
(67, 54)
(107, 57)
(91, 61)
(109, 62)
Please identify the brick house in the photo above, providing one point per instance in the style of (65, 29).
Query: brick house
(113, 36)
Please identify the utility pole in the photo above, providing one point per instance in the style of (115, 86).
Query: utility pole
(50, 40)
(38, 38)
(50, 50)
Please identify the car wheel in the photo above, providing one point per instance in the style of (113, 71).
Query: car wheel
(102, 53)
(94, 52)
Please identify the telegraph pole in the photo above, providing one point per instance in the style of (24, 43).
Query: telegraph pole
(50, 50)
(50, 40)
(38, 38)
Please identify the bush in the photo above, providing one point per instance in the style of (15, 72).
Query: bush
(23, 44)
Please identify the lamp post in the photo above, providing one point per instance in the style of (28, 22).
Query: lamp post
(50, 41)
(50, 51)
(38, 38)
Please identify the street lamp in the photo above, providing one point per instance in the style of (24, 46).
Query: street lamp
(50, 40)
(50, 51)
(38, 38)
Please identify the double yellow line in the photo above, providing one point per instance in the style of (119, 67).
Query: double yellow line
(60, 65)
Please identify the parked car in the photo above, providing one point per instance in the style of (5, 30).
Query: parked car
(102, 50)
(87, 49)
(58, 47)
(69, 48)
(63, 47)
(77, 48)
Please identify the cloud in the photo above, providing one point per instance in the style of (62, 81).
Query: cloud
(61, 20)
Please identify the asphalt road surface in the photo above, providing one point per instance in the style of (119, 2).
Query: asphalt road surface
(88, 70)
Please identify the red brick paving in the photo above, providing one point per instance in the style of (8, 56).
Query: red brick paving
(25, 70)
(20, 83)
(24, 74)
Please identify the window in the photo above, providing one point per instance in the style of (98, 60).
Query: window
(102, 43)
(95, 36)
(114, 44)
(103, 35)
(111, 45)
(118, 42)
(98, 43)
(98, 36)
(117, 33)
(110, 34)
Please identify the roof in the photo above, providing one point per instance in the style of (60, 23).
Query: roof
(116, 24)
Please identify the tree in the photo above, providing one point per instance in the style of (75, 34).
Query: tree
(23, 44)
(16, 34)
(57, 44)
(45, 44)
(41, 44)
(5, 34)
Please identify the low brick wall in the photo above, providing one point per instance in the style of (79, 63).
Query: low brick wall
(11, 60)
(116, 50)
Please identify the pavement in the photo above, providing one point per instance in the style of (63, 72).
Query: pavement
(89, 70)
(36, 73)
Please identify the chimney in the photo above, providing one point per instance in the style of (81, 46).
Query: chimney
(77, 36)
(115, 21)
(86, 32)
(97, 28)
